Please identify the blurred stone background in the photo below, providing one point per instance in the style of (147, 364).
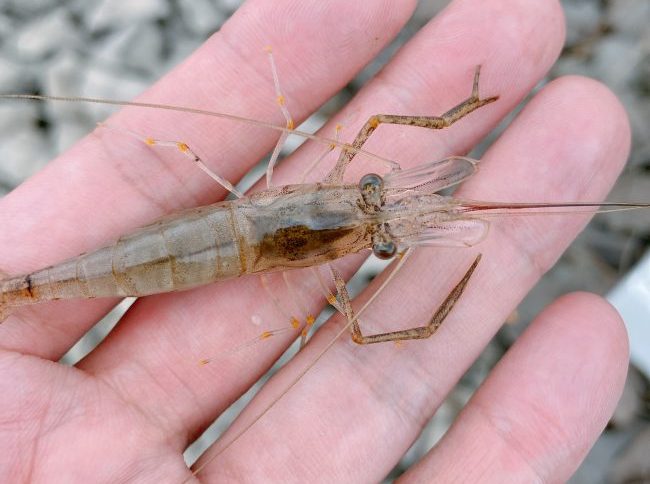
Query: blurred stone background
(115, 49)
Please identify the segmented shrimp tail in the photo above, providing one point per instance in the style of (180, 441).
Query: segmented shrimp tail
(5, 309)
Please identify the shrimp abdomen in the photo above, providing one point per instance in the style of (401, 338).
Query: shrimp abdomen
(193, 248)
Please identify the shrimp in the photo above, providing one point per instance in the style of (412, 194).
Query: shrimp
(293, 226)
(277, 229)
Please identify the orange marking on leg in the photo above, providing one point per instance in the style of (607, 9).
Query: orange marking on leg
(183, 147)
(266, 335)
(310, 320)
(295, 324)
(150, 141)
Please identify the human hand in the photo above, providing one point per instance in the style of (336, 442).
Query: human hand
(131, 407)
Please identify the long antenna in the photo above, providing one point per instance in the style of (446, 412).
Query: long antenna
(215, 114)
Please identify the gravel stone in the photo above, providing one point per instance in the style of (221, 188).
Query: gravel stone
(28, 8)
(127, 47)
(16, 116)
(45, 35)
(23, 153)
(629, 17)
(633, 465)
(630, 406)
(615, 61)
(100, 79)
(12, 75)
(583, 19)
(201, 16)
(111, 13)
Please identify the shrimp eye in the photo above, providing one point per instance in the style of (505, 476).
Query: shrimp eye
(371, 182)
(370, 186)
(384, 250)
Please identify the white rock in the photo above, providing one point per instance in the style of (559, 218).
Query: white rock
(181, 49)
(230, 5)
(583, 18)
(45, 35)
(631, 297)
(100, 81)
(638, 110)
(12, 76)
(630, 405)
(17, 116)
(629, 17)
(7, 26)
(138, 46)
(632, 463)
(616, 60)
(30, 7)
(64, 77)
(201, 16)
(22, 153)
(116, 13)
(67, 133)
(572, 65)
(632, 185)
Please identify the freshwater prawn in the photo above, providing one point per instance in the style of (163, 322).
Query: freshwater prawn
(281, 228)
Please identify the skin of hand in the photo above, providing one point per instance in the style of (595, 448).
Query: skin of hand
(128, 410)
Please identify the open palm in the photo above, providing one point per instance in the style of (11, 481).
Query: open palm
(129, 409)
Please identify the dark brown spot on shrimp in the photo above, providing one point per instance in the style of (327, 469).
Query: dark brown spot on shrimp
(299, 241)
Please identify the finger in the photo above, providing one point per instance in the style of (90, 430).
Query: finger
(369, 403)
(107, 185)
(544, 405)
(193, 324)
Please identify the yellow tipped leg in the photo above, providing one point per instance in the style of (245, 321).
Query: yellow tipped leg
(290, 124)
(263, 336)
(304, 334)
(184, 149)
(266, 285)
